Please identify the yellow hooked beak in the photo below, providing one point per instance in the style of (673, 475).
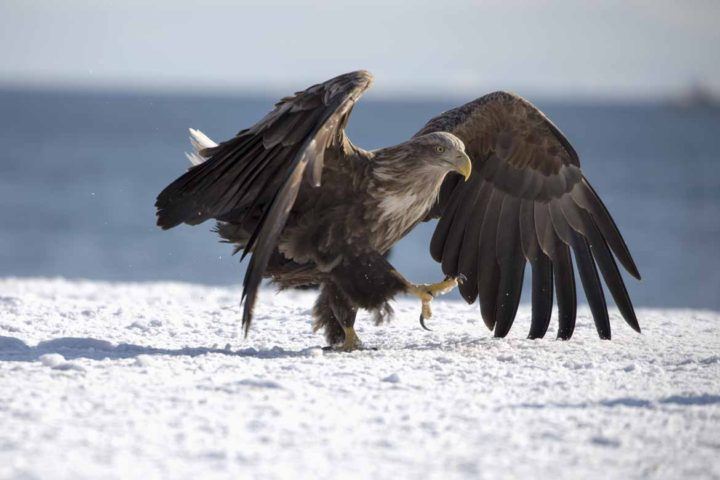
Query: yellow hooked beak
(463, 165)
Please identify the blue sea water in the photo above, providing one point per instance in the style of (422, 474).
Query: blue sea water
(79, 173)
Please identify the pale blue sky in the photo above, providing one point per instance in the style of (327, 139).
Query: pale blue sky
(577, 48)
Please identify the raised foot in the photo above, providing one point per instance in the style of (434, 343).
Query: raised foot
(427, 291)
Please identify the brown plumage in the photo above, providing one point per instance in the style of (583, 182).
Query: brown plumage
(539, 207)
(313, 209)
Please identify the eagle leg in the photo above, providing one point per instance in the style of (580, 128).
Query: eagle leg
(427, 291)
(335, 313)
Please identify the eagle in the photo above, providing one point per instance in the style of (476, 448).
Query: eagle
(311, 208)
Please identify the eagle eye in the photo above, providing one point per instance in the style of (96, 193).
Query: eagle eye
(439, 149)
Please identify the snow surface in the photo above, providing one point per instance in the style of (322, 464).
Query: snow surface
(101, 380)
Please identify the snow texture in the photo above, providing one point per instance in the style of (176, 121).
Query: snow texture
(154, 380)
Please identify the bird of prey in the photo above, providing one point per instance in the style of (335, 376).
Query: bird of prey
(312, 208)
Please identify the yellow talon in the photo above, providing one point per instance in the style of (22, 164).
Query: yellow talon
(426, 293)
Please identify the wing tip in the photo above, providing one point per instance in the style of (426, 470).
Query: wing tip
(633, 323)
(501, 333)
(489, 322)
(564, 336)
(164, 221)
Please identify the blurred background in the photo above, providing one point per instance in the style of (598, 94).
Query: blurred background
(96, 98)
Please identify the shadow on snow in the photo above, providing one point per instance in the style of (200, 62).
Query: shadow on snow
(15, 350)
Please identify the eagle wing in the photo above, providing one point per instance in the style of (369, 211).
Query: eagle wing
(260, 171)
(526, 201)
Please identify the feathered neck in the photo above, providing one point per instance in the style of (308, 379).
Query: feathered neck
(402, 190)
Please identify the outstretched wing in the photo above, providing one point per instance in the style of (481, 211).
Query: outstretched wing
(262, 168)
(527, 200)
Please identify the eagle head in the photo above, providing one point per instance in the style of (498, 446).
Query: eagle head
(442, 151)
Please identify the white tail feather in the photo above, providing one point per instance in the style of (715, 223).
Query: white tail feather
(194, 158)
(199, 142)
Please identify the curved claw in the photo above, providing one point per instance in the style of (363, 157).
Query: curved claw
(422, 323)
(459, 278)
(427, 292)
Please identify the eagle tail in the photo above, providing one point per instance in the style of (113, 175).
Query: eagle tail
(200, 142)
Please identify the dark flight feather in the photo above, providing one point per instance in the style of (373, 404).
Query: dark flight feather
(586, 198)
(442, 230)
(488, 268)
(565, 288)
(610, 272)
(512, 265)
(542, 277)
(465, 215)
(591, 284)
(468, 260)
(542, 296)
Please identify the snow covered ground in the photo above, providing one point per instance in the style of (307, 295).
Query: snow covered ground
(101, 380)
